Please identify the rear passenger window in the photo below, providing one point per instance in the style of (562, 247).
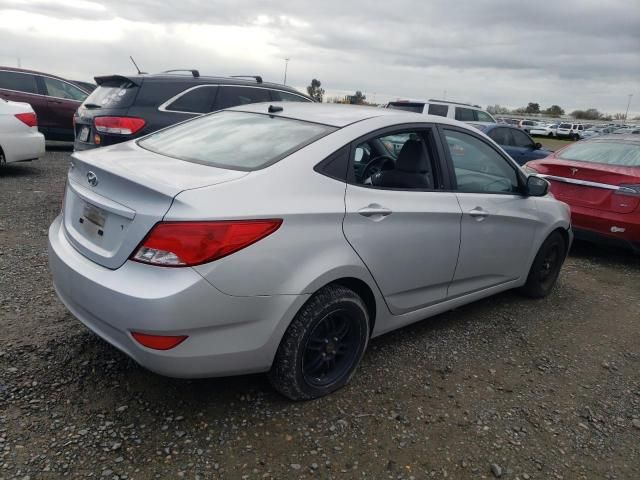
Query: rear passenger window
(234, 96)
(464, 114)
(196, 100)
(439, 110)
(21, 82)
(288, 97)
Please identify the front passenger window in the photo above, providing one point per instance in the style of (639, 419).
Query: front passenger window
(403, 160)
(478, 167)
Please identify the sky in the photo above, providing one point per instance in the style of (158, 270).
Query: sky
(576, 54)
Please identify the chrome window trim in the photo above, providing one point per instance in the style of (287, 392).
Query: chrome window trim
(39, 94)
(586, 183)
(163, 106)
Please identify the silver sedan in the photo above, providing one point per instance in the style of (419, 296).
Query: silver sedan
(281, 237)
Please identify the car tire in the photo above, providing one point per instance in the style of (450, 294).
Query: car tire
(575, 137)
(546, 267)
(550, 134)
(321, 349)
(3, 159)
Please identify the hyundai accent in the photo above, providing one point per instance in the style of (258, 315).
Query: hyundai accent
(281, 237)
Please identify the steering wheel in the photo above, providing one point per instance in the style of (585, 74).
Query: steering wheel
(378, 164)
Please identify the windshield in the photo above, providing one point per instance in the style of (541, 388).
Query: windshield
(610, 153)
(235, 140)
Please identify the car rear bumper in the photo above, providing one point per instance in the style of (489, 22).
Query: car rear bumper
(607, 227)
(226, 335)
(24, 146)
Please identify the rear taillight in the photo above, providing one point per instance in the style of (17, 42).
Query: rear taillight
(29, 119)
(183, 244)
(158, 342)
(119, 125)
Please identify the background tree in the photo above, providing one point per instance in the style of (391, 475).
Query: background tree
(618, 116)
(358, 98)
(589, 114)
(497, 109)
(315, 91)
(554, 111)
(532, 108)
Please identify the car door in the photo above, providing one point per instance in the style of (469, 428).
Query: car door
(399, 219)
(523, 146)
(498, 222)
(22, 87)
(63, 99)
(502, 136)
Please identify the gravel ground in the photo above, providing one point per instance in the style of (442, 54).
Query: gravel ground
(506, 387)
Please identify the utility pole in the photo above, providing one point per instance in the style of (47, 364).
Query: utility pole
(286, 65)
(628, 105)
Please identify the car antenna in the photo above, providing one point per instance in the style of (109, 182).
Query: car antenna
(136, 65)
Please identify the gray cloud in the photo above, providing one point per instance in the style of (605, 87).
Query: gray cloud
(577, 53)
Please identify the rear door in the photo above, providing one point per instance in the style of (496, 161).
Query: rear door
(407, 237)
(23, 87)
(63, 100)
(498, 223)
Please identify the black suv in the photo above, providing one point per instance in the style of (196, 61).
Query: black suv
(126, 107)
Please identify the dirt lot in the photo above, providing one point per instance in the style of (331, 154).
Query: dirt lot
(530, 389)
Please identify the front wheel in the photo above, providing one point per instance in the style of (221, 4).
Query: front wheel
(546, 267)
(323, 345)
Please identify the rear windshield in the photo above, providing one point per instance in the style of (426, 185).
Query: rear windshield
(565, 125)
(409, 107)
(113, 94)
(235, 140)
(611, 153)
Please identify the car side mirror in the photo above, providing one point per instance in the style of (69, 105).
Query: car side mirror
(537, 146)
(537, 186)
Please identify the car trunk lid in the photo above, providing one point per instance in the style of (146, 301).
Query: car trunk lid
(591, 185)
(115, 195)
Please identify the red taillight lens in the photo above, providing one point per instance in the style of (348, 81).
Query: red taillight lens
(182, 244)
(158, 342)
(119, 125)
(29, 119)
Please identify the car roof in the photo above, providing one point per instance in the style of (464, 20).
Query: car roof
(630, 138)
(436, 101)
(340, 115)
(24, 70)
(191, 79)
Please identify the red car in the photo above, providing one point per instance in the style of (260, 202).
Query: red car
(600, 180)
(54, 99)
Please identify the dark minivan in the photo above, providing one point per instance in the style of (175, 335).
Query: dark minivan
(54, 99)
(125, 107)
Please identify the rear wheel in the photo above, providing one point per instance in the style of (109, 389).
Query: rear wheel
(546, 267)
(323, 345)
(575, 137)
(3, 159)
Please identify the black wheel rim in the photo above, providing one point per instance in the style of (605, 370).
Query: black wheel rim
(331, 349)
(550, 264)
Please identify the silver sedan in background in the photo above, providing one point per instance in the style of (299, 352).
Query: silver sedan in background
(280, 238)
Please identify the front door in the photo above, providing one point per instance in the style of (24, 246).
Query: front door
(402, 224)
(498, 223)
